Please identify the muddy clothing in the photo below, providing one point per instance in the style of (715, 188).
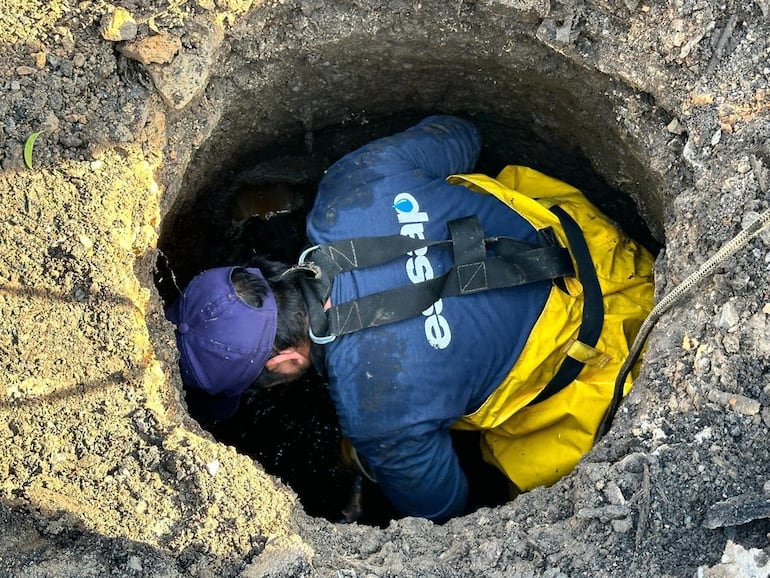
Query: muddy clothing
(398, 388)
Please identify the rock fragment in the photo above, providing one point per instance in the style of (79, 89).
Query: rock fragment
(738, 562)
(738, 510)
(623, 525)
(740, 403)
(614, 494)
(118, 25)
(604, 513)
(185, 78)
(729, 316)
(158, 49)
(676, 127)
(40, 58)
(530, 10)
(134, 563)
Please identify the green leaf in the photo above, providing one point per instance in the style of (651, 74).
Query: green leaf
(28, 148)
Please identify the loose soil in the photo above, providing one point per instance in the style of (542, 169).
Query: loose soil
(144, 129)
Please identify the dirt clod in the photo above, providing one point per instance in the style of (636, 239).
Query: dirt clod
(118, 24)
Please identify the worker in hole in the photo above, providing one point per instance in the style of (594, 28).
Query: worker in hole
(511, 314)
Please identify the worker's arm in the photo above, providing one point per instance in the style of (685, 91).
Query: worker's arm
(355, 197)
(419, 473)
(438, 146)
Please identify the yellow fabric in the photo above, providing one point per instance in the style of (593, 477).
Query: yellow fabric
(586, 354)
(539, 444)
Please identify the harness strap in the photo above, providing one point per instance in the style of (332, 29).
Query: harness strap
(593, 306)
(467, 241)
(350, 254)
(359, 253)
(410, 301)
(515, 263)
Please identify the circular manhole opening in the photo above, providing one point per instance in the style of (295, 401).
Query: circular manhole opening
(284, 107)
(259, 206)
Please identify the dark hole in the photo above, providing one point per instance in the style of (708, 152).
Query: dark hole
(292, 430)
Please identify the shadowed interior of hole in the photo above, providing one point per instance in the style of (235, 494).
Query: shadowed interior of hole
(292, 430)
(192, 237)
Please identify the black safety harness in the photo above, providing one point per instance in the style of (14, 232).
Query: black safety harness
(480, 264)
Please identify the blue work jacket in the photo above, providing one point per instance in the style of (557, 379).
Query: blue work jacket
(398, 388)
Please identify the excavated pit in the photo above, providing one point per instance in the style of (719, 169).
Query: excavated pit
(294, 117)
(103, 469)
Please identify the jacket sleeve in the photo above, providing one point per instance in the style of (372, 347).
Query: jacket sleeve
(357, 191)
(438, 146)
(419, 473)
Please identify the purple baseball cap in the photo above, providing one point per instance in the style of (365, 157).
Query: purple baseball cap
(223, 341)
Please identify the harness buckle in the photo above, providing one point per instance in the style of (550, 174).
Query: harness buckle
(301, 267)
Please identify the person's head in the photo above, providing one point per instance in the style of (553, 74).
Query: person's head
(290, 357)
(234, 328)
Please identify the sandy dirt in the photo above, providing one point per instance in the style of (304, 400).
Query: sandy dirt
(143, 110)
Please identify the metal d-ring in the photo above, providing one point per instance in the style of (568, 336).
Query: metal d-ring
(320, 340)
(313, 337)
(306, 252)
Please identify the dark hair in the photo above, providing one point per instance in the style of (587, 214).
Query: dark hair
(292, 323)
(250, 288)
